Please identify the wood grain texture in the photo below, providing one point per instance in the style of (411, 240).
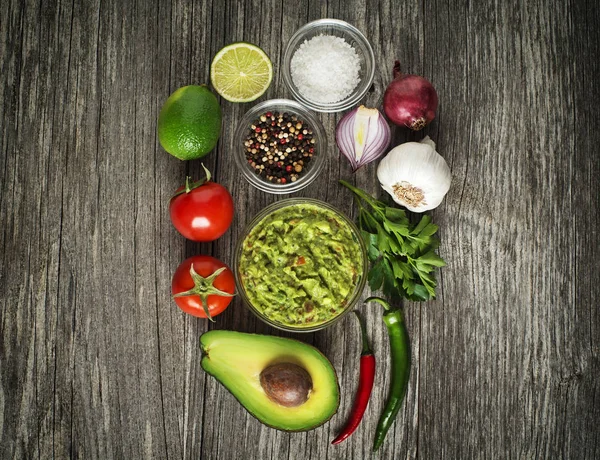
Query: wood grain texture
(95, 360)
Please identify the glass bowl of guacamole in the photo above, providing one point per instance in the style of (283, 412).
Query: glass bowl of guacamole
(300, 265)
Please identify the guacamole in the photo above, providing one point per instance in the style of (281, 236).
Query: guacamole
(300, 265)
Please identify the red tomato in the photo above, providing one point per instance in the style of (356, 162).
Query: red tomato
(204, 213)
(217, 290)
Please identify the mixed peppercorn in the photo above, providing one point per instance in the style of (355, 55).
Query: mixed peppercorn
(279, 146)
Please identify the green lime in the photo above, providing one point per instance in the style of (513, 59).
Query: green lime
(189, 124)
(241, 72)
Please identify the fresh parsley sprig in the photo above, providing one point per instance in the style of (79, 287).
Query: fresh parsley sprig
(403, 255)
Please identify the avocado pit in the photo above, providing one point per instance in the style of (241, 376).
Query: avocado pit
(286, 384)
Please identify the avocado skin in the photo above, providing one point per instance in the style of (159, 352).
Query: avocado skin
(205, 347)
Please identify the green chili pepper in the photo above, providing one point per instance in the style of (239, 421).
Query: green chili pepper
(400, 348)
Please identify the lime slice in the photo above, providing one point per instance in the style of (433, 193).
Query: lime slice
(241, 72)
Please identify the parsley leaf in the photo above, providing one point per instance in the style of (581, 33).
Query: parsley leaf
(402, 254)
(375, 276)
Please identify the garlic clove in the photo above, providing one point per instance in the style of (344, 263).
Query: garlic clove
(415, 175)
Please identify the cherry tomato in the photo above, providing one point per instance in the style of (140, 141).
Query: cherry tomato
(203, 286)
(204, 212)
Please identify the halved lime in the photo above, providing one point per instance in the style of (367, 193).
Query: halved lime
(241, 72)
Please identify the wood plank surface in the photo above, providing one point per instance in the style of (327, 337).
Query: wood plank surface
(96, 362)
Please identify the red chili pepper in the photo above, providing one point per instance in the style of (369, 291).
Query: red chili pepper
(365, 385)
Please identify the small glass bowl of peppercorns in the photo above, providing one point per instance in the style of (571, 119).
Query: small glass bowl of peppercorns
(280, 146)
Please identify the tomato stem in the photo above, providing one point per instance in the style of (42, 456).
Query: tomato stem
(189, 185)
(203, 287)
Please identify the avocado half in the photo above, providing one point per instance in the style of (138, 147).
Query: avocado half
(237, 359)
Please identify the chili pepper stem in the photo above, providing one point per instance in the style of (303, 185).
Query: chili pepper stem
(366, 350)
(380, 301)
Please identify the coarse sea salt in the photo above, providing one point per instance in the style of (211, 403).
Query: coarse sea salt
(325, 69)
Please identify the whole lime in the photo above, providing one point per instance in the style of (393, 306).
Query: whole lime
(189, 124)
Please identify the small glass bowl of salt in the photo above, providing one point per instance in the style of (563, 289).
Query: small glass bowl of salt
(328, 65)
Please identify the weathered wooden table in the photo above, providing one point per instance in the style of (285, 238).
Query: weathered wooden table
(97, 362)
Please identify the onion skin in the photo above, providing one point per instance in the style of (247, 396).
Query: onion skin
(410, 100)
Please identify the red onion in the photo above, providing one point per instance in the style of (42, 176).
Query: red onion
(410, 100)
(362, 136)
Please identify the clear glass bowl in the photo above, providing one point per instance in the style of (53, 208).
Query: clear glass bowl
(354, 37)
(312, 169)
(360, 282)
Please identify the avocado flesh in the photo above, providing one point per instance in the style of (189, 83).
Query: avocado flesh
(236, 360)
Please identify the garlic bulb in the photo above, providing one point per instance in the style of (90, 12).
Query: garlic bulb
(415, 175)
